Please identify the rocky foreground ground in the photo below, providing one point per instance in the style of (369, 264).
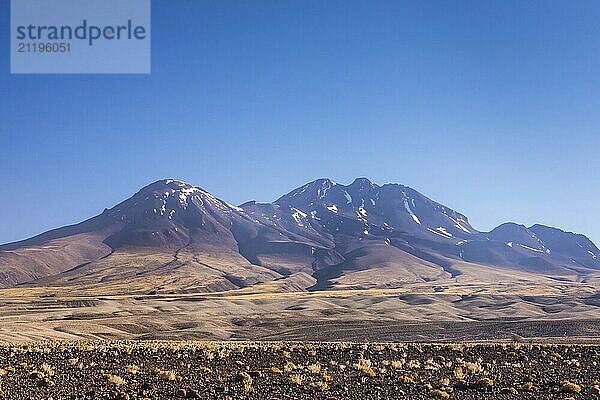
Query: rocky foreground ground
(251, 370)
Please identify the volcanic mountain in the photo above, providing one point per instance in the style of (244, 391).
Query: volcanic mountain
(174, 237)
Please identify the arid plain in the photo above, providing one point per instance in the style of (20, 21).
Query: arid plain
(446, 311)
(331, 292)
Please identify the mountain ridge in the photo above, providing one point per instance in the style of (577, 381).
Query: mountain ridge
(323, 234)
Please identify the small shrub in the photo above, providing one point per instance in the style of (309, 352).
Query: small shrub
(474, 368)
(485, 383)
(440, 394)
(132, 369)
(314, 368)
(364, 365)
(320, 385)
(289, 366)
(247, 380)
(459, 373)
(166, 375)
(570, 387)
(115, 379)
(529, 387)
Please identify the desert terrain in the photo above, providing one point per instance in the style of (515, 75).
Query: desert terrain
(288, 370)
(332, 292)
(324, 262)
(563, 311)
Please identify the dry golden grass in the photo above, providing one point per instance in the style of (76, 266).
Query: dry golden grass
(112, 311)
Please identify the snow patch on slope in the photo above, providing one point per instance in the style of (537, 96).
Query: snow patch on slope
(443, 233)
(348, 197)
(410, 211)
(333, 208)
(298, 216)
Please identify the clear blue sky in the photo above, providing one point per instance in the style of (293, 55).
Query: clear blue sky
(490, 107)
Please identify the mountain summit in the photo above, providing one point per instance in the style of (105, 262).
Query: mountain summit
(173, 236)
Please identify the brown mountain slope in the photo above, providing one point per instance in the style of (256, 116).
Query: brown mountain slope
(173, 237)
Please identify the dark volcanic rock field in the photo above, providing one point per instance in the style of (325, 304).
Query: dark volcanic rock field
(244, 370)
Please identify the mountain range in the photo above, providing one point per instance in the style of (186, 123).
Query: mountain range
(173, 237)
